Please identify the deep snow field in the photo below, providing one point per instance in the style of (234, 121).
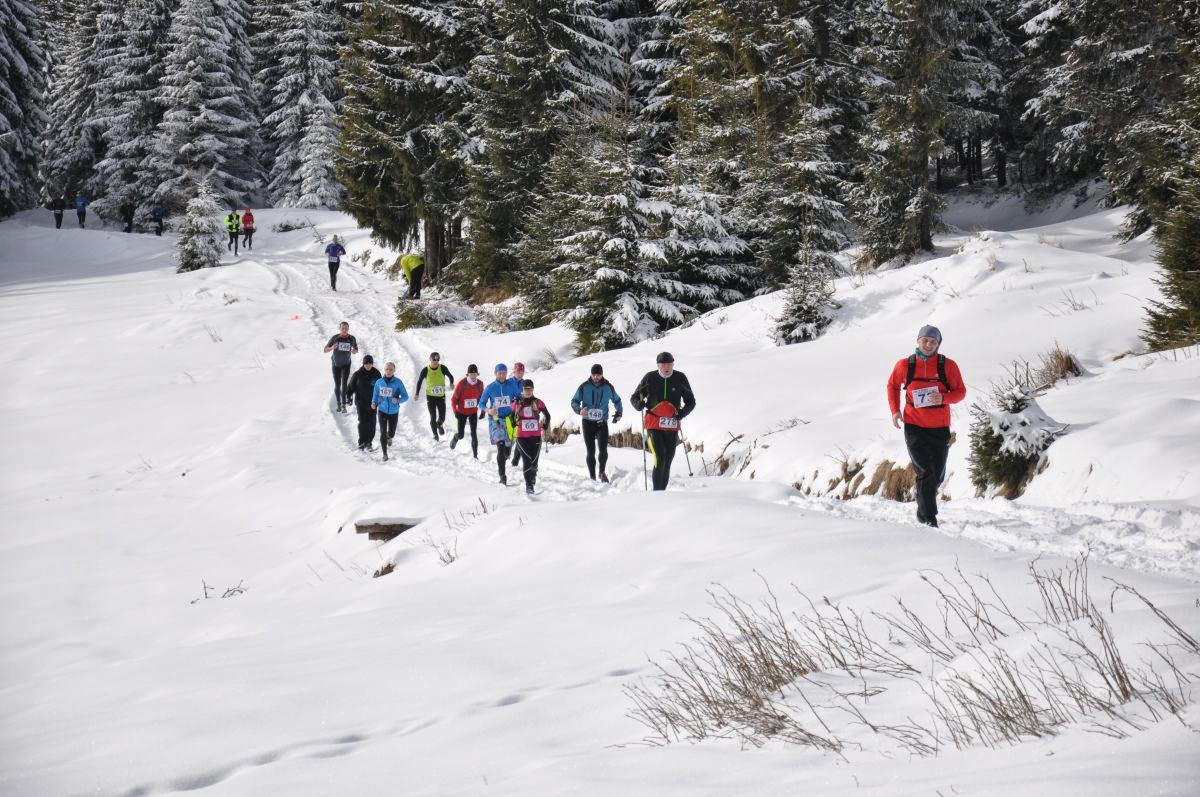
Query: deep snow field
(167, 436)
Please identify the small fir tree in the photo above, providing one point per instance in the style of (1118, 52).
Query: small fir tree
(1175, 321)
(199, 244)
(22, 101)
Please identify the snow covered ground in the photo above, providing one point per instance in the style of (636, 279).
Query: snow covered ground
(164, 432)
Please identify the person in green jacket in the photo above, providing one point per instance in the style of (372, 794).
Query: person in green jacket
(233, 223)
(413, 266)
(438, 383)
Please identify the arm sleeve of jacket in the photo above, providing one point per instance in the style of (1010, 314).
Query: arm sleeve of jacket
(616, 399)
(403, 392)
(352, 386)
(895, 382)
(449, 376)
(689, 398)
(958, 388)
(375, 394)
(420, 379)
(638, 399)
(545, 414)
(577, 399)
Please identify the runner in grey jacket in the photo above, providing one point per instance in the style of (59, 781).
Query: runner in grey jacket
(343, 344)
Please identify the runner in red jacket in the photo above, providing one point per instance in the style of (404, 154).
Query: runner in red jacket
(464, 402)
(929, 382)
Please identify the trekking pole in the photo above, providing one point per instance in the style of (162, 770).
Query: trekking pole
(685, 453)
(645, 477)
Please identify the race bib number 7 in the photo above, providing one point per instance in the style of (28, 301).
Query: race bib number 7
(927, 397)
(668, 423)
(530, 425)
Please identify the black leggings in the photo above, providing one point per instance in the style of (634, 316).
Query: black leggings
(366, 424)
(341, 375)
(463, 420)
(530, 447)
(595, 433)
(437, 411)
(58, 214)
(82, 216)
(248, 238)
(662, 448)
(333, 268)
(387, 428)
(928, 449)
(233, 241)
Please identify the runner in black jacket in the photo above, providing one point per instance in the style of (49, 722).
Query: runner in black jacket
(359, 390)
(666, 396)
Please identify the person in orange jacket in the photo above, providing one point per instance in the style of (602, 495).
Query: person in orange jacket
(248, 229)
(930, 382)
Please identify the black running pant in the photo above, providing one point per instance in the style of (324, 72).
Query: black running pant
(58, 214)
(437, 412)
(366, 424)
(82, 216)
(463, 420)
(341, 375)
(414, 282)
(248, 238)
(595, 433)
(530, 447)
(662, 450)
(387, 428)
(928, 449)
(158, 227)
(333, 269)
(233, 241)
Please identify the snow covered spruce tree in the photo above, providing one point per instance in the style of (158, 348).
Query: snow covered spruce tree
(130, 79)
(402, 153)
(73, 140)
(1119, 76)
(22, 100)
(923, 66)
(1175, 321)
(1007, 442)
(803, 225)
(583, 261)
(543, 62)
(199, 244)
(208, 128)
(296, 54)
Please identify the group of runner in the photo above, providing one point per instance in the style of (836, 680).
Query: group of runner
(928, 381)
(516, 417)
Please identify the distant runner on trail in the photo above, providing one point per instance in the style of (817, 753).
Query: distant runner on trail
(531, 417)
(930, 382)
(361, 390)
(518, 376)
(157, 214)
(388, 395)
(248, 229)
(590, 403)
(343, 344)
(438, 382)
(465, 403)
(81, 204)
(666, 397)
(334, 253)
(57, 206)
(413, 266)
(496, 403)
(233, 224)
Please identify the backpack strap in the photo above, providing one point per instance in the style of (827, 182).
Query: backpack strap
(912, 369)
(941, 365)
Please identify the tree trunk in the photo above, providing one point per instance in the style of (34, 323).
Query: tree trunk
(1001, 165)
(978, 157)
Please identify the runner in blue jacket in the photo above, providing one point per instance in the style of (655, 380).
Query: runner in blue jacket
(590, 403)
(387, 396)
(334, 253)
(496, 402)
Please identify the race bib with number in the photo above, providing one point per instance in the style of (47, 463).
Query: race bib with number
(503, 401)
(344, 346)
(668, 423)
(385, 392)
(530, 425)
(470, 404)
(527, 412)
(335, 260)
(440, 390)
(594, 414)
(926, 397)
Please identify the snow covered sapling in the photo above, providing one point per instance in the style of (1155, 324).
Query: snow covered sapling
(200, 238)
(1007, 442)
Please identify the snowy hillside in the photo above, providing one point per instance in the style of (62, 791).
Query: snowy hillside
(170, 439)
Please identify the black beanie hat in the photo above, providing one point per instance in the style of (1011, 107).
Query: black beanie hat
(368, 359)
(472, 369)
(597, 369)
(664, 357)
(528, 383)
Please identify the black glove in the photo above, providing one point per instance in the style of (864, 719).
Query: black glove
(617, 418)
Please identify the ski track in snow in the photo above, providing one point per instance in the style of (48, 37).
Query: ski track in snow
(1130, 536)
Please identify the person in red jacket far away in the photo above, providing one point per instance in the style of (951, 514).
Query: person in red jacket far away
(929, 382)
